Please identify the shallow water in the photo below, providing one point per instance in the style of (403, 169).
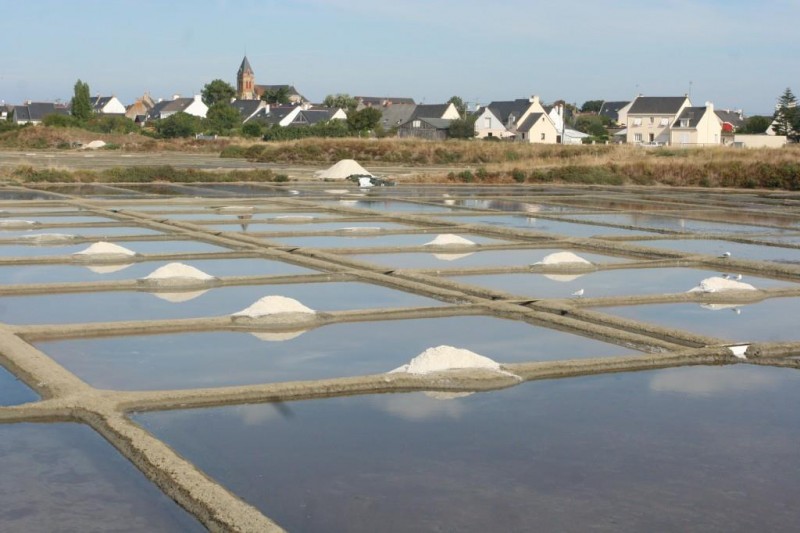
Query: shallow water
(674, 223)
(486, 258)
(99, 233)
(134, 305)
(214, 359)
(418, 239)
(77, 218)
(628, 282)
(772, 320)
(65, 477)
(389, 205)
(85, 273)
(141, 247)
(310, 227)
(738, 250)
(13, 391)
(570, 229)
(691, 449)
(223, 216)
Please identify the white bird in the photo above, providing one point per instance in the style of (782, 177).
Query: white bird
(737, 277)
(725, 255)
(578, 293)
(726, 276)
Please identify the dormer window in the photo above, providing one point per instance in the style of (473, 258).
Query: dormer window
(684, 123)
(416, 124)
(652, 120)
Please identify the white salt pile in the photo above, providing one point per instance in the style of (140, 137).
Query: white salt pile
(336, 191)
(341, 170)
(274, 305)
(563, 258)
(277, 336)
(105, 248)
(719, 284)
(45, 238)
(446, 357)
(18, 223)
(174, 271)
(450, 202)
(448, 239)
(94, 145)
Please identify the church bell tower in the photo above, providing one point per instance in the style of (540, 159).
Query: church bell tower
(245, 82)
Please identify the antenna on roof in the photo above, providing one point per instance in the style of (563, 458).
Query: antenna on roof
(690, 89)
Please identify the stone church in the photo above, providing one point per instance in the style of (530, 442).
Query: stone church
(246, 88)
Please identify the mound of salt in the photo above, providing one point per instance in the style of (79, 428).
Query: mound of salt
(274, 305)
(562, 258)
(18, 223)
(341, 170)
(448, 239)
(105, 248)
(44, 238)
(719, 284)
(173, 271)
(94, 145)
(446, 358)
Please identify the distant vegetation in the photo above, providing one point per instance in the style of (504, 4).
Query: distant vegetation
(139, 175)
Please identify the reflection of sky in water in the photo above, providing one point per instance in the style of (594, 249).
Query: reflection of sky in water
(232, 217)
(141, 247)
(193, 359)
(769, 320)
(389, 205)
(606, 282)
(13, 391)
(418, 239)
(571, 229)
(310, 227)
(668, 450)
(674, 223)
(738, 250)
(86, 232)
(76, 273)
(486, 258)
(65, 477)
(135, 305)
(70, 219)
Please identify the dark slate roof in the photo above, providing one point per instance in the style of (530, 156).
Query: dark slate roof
(502, 110)
(169, 106)
(734, 118)
(275, 114)
(383, 100)
(313, 116)
(246, 107)
(245, 66)
(396, 114)
(692, 114)
(530, 120)
(289, 89)
(611, 109)
(656, 105)
(99, 102)
(36, 111)
(429, 110)
(435, 123)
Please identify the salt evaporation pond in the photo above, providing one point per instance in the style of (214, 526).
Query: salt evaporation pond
(388, 205)
(309, 227)
(627, 282)
(699, 448)
(465, 258)
(646, 220)
(418, 239)
(65, 477)
(140, 247)
(773, 320)
(139, 305)
(571, 229)
(14, 392)
(94, 232)
(135, 270)
(232, 216)
(78, 218)
(222, 358)
(738, 250)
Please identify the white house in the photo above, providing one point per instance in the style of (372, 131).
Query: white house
(565, 135)
(696, 126)
(650, 118)
(190, 106)
(107, 105)
(504, 119)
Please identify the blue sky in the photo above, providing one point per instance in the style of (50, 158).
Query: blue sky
(736, 53)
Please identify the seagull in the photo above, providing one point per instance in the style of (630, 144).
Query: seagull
(578, 293)
(725, 255)
(737, 277)
(726, 276)
(737, 311)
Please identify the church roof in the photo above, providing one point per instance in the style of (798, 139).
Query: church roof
(245, 66)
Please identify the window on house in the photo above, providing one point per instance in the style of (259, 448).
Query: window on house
(684, 123)
(543, 136)
(665, 122)
(652, 120)
(488, 122)
(523, 136)
(637, 137)
(637, 122)
(416, 124)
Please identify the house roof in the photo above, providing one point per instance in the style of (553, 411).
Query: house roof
(429, 110)
(656, 105)
(434, 122)
(735, 118)
(246, 107)
(245, 66)
(690, 114)
(396, 114)
(313, 116)
(99, 102)
(611, 109)
(169, 106)
(504, 109)
(530, 120)
(383, 100)
(274, 115)
(290, 90)
(36, 111)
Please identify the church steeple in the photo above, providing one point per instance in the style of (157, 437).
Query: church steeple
(245, 81)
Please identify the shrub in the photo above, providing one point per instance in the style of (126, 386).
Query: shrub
(518, 175)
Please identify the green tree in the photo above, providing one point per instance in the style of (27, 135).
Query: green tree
(222, 117)
(341, 100)
(462, 128)
(81, 101)
(252, 129)
(591, 106)
(786, 115)
(460, 105)
(591, 124)
(364, 120)
(279, 95)
(755, 124)
(178, 125)
(217, 91)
